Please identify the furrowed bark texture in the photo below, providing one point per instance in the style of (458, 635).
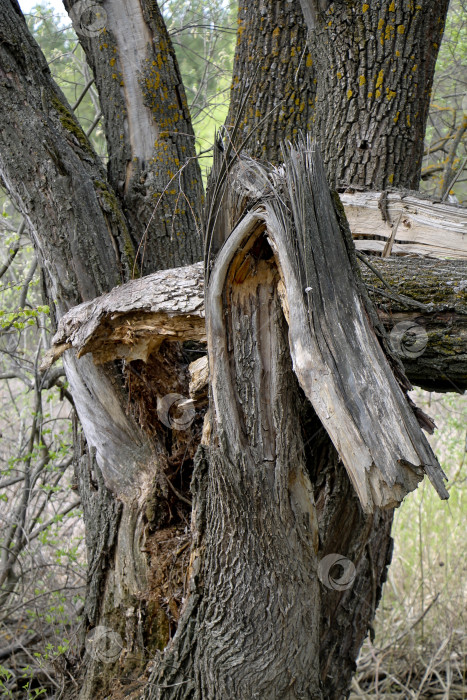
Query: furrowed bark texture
(273, 66)
(152, 161)
(84, 247)
(253, 502)
(50, 168)
(375, 63)
(83, 244)
(257, 267)
(254, 632)
(345, 615)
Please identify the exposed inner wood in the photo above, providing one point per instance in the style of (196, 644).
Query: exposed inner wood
(269, 319)
(126, 22)
(418, 226)
(257, 550)
(440, 285)
(337, 358)
(131, 321)
(199, 378)
(336, 355)
(170, 303)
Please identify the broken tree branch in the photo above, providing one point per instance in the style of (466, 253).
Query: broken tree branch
(170, 306)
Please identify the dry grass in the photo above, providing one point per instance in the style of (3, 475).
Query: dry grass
(420, 646)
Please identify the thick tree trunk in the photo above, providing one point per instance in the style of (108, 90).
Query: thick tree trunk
(253, 499)
(375, 63)
(375, 144)
(257, 522)
(252, 628)
(152, 163)
(273, 87)
(85, 247)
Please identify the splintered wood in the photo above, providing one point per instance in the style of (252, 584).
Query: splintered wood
(356, 387)
(412, 225)
(131, 321)
(336, 354)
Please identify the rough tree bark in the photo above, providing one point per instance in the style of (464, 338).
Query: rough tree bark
(86, 246)
(273, 87)
(361, 148)
(375, 63)
(152, 163)
(257, 522)
(131, 320)
(134, 479)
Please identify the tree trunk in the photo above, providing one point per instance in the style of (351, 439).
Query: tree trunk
(152, 163)
(273, 87)
(85, 247)
(372, 146)
(375, 63)
(269, 510)
(257, 526)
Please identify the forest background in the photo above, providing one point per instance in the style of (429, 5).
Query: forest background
(418, 648)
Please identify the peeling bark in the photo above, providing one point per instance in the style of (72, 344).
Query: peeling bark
(261, 474)
(151, 145)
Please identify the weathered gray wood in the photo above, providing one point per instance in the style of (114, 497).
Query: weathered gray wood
(171, 306)
(131, 321)
(337, 357)
(251, 624)
(421, 227)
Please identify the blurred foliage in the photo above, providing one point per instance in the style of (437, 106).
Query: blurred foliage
(445, 159)
(204, 34)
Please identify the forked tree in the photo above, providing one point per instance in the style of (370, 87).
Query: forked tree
(207, 522)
